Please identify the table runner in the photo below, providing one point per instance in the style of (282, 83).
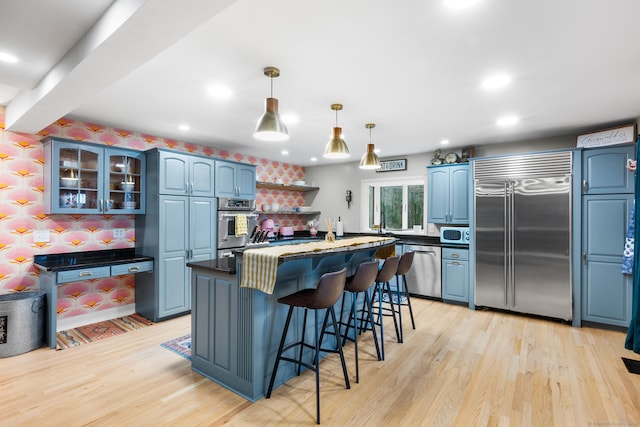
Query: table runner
(260, 265)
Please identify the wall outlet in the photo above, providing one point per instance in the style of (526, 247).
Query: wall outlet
(118, 233)
(41, 236)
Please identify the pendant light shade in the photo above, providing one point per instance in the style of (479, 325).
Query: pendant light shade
(270, 127)
(370, 160)
(336, 147)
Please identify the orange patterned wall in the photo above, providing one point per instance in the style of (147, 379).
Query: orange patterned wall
(22, 211)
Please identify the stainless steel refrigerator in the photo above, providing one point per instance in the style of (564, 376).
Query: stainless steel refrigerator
(523, 233)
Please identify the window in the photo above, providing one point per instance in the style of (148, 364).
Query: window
(393, 204)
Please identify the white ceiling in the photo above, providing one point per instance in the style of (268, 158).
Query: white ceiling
(413, 67)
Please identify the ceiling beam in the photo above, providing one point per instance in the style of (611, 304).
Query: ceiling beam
(130, 33)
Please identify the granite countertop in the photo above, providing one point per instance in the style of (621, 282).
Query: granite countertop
(79, 260)
(222, 265)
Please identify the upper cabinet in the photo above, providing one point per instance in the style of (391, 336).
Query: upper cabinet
(81, 177)
(448, 194)
(236, 180)
(184, 174)
(604, 170)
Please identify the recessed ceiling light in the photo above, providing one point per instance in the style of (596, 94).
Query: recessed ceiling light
(496, 82)
(184, 127)
(219, 92)
(507, 121)
(7, 57)
(284, 152)
(289, 119)
(444, 142)
(459, 4)
(314, 159)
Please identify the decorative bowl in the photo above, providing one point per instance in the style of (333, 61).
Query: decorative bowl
(127, 186)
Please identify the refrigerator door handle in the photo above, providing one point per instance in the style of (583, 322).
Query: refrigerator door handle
(512, 244)
(505, 264)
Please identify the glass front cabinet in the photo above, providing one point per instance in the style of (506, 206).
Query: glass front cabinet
(90, 178)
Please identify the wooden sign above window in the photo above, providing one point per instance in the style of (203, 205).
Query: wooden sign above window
(392, 165)
(619, 135)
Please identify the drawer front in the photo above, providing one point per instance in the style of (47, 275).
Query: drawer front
(453, 253)
(83, 274)
(131, 268)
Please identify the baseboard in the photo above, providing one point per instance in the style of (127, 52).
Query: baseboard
(94, 317)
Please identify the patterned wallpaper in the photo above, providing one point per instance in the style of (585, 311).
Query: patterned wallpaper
(22, 211)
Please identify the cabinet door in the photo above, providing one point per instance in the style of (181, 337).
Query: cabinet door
(605, 170)
(202, 228)
(606, 292)
(201, 177)
(215, 327)
(173, 287)
(225, 181)
(438, 195)
(73, 178)
(246, 181)
(124, 181)
(173, 173)
(459, 195)
(455, 280)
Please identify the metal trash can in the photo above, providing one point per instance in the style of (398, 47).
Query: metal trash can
(21, 322)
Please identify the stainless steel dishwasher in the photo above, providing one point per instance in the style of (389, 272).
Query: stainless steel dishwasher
(424, 279)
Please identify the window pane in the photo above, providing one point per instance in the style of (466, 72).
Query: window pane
(372, 206)
(391, 207)
(416, 205)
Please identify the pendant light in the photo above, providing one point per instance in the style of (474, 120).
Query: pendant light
(336, 147)
(370, 159)
(270, 127)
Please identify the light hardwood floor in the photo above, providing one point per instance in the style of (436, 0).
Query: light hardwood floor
(459, 367)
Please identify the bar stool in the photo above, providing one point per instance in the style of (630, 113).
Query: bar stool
(401, 292)
(385, 274)
(359, 284)
(330, 287)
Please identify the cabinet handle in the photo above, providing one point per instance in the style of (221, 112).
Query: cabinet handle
(455, 263)
(100, 205)
(133, 269)
(454, 255)
(85, 273)
(584, 185)
(584, 258)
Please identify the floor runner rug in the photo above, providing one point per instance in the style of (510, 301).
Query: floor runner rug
(633, 366)
(97, 331)
(181, 346)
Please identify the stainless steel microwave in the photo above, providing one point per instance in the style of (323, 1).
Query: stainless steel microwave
(454, 235)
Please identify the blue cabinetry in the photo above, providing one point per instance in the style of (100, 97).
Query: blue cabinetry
(604, 170)
(185, 174)
(607, 200)
(448, 194)
(237, 180)
(179, 227)
(455, 274)
(92, 178)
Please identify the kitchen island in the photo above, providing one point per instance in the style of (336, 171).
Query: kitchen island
(236, 330)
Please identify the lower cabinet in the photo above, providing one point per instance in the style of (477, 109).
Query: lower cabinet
(455, 274)
(214, 327)
(176, 230)
(606, 292)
